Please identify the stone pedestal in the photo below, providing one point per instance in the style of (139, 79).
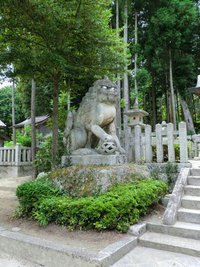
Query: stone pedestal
(95, 159)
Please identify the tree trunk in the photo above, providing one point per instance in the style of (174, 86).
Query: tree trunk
(166, 106)
(33, 129)
(118, 107)
(170, 113)
(55, 121)
(154, 117)
(135, 62)
(13, 114)
(172, 90)
(194, 109)
(187, 116)
(125, 81)
(178, 108)
(168, 100)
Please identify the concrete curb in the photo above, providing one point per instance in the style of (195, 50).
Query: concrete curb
(51, 254)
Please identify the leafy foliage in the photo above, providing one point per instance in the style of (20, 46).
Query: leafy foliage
(118, 208)
(43, 161)
(23, 137)
(31, 193)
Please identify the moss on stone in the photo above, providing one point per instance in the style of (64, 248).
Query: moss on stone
(80, 181)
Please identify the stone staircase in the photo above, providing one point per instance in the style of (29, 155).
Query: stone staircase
(184, 235)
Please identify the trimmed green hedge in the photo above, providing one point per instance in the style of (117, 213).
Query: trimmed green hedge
(31, 193)
(117, 208)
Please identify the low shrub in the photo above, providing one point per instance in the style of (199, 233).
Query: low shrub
(117, 208)
(30, 193)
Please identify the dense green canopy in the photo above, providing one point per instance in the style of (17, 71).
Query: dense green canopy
(66, 45)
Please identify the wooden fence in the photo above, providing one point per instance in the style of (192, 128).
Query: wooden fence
(142, 146)
(15, 156)
(143, 143)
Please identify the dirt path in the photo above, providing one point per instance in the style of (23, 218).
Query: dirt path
(92, 240)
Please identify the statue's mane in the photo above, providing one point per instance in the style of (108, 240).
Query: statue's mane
(91, 96)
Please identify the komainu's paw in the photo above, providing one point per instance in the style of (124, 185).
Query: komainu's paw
(109, 138)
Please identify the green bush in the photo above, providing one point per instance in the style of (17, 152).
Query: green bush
(117, 208)
(30, 193)
(43, 161)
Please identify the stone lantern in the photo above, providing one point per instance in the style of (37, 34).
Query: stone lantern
(136, 116)
(196, 90)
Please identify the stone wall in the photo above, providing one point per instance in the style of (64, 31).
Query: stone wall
(15, 171)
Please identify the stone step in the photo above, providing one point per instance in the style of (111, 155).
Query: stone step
(193, 180)
(192, 190)
(171, 243)
(190, 202)
(189, 215)
(182, 229)
(195, 172)
(54, 254)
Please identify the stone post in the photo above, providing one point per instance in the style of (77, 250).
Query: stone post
(1, 155)
(159, 146)
(183, 142)
(17, 154)
(137, 144)
(4, 155)
(170, 142)
(148, 144)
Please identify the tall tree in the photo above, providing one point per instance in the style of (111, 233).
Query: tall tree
(167, 36)
(61, 35)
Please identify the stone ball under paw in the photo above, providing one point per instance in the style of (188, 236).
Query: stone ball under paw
(108, 148)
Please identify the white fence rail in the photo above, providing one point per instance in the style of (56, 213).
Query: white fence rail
(15, 156)
(143, 143)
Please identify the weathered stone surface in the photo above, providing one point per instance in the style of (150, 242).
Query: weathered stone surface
(94, 122)
(88, 180)
(170, 215)
(41, 252)
(94, 159)
(138, 229)
(183, 142)
(15, 171)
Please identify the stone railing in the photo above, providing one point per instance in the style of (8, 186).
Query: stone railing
(170, 215)
(143, 142)
(15, 156)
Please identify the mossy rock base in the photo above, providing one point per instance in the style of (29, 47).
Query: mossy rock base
(79, 181)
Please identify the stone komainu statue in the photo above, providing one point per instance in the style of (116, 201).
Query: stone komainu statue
(93, 124)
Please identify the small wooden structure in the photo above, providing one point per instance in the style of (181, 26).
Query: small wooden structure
(40, 124)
